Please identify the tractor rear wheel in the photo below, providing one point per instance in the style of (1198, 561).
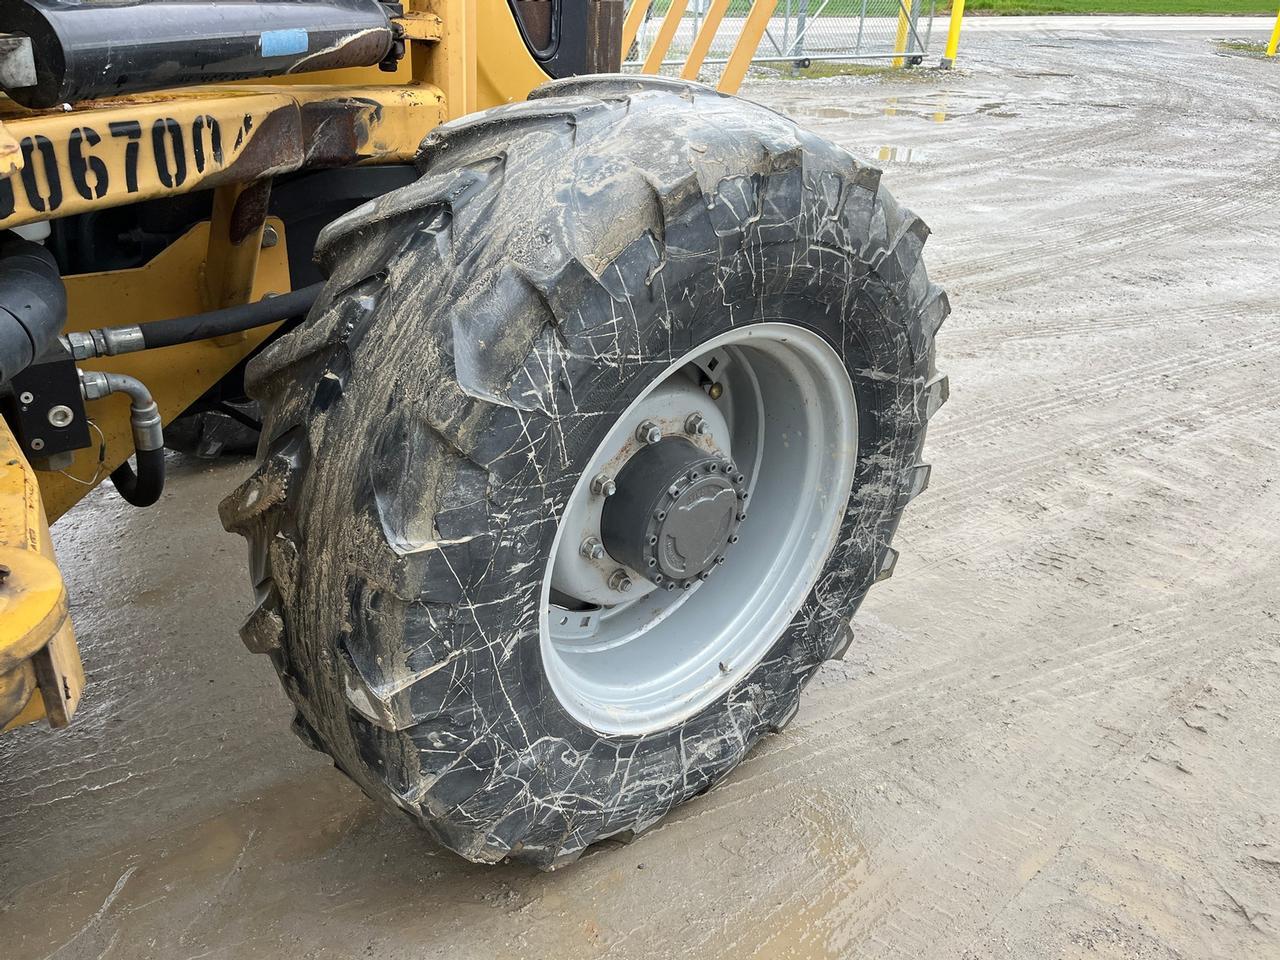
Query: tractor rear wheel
(581, 465)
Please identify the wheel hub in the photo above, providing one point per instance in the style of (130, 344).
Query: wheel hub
(771, 407)
(675, 512)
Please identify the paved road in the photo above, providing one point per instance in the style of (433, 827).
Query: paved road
(1058, 732)
(876, 35)
(1218, 26)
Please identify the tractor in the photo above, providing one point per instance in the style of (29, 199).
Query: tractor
(586, 403)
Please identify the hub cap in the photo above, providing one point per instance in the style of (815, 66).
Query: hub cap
(674, 513)
(662, 592)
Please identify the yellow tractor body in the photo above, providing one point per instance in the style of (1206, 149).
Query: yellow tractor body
(585, 403)
(232, 139)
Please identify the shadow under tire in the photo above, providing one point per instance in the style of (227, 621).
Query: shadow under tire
(427, 425)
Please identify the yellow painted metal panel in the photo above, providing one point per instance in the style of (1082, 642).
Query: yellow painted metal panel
(32, 712)
(452, 63)
(169, 286)
(421, 26)
(36, 642)
(505, 70)
(1274, 42)
(10, 153)
(112, 152)
(235, 243)
(124, 151)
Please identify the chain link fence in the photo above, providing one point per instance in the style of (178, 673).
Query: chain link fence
(799, 32)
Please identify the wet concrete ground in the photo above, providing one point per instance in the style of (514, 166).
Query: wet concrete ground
(1058, 734)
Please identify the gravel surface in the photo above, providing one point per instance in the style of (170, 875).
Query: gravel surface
(1058, 731)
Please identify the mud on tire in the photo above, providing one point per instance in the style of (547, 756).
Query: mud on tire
(425, 427)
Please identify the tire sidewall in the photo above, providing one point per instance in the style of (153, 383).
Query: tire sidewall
(866, 338)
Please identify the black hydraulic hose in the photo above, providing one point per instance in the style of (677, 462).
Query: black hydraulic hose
(237, 319)
(143, 488)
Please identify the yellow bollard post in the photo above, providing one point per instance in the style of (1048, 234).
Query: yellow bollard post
(666, 33)
(1275, 38)
(752, 30)
(904, 30)
(710, 24)
(953, 34)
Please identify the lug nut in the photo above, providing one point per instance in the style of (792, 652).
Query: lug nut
(648, 432)
(620, 581)
(603, 485)
(592, 549)
(695, 424)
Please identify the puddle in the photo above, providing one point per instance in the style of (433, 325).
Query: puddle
(926, 109)
(898, 155)
(840, 113)
(997, 108)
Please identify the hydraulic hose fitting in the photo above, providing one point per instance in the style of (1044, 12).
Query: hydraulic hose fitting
(104, 342)
(144, 415)
(143, 488)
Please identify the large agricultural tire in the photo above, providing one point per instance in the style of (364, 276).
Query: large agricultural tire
(484, 334)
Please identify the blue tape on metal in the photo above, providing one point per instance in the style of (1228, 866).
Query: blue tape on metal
(282, 43)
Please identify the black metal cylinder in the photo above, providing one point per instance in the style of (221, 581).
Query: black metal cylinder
(98, 48)
(33, 303)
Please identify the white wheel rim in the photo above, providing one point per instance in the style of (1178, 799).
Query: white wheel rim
(656, 657)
